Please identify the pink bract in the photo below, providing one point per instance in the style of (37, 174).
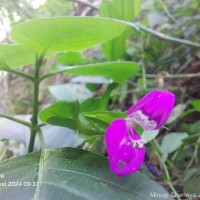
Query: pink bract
(153, 110)
(125, 148)
(123, 158)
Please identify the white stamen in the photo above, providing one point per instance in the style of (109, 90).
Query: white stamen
(130, 141)
(138, 143)
(143, 120)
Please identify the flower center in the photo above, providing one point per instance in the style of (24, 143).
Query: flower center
(143, 120)
(136, 143)
(132, 136)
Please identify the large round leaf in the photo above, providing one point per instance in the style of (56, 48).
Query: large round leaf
(70, 174)
(66, 33)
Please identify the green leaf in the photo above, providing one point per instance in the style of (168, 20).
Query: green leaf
(196, 104)
(107, 9)
(105, 116)
(100, 104)
(61, 113)
(66, 114)
(3, 65)
(172, 142)
(128, 9)
(66, 33)
(192, 186)
(191, 128)
(16, 55)
(115, 48)
(191, 172)
(71, 174)
(178, 110)
(117, 71)
(100, 121)
(139, 129)
(147, 136)
(125, 10)
(70, 58)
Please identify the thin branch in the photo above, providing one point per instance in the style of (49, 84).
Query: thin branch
(50, 74)
(144, 77)
(25, 123)
(167, 11)
(157, 150)
(163, 36)
(41, 125)
(86, 3)
(19, 73)
(146, 29)
(163, 75)
(172, 76)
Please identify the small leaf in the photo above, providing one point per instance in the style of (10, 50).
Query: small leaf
(177, 111)
(16, 55)
(125, 10)
(71, 174)
(192, 187)
(191, 172)
(115, 48)
(105, 116)
(66, 114)
(61, 113)
(61, 34)
(196, 104)
(70, 92)
(128, 9)
(172, 142)
(98, 104)
(117, 71)
(70, 58)
(147, 136)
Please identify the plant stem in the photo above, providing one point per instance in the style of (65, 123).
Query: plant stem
(25, 123)
(156, 147)
(3, 153)
(19, 73)
(144, 77)
(163, 36)
(40, 125)
(34, 119)
(41, 139)
(194, 157)
(172, 76)
(50, 74)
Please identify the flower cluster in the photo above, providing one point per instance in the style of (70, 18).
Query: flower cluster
(125, 148)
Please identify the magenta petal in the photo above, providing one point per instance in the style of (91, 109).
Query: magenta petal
(123, 157)
(153, 110)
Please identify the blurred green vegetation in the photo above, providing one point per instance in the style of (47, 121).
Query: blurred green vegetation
(166, 64)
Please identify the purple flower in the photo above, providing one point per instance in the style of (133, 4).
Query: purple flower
(125, 148)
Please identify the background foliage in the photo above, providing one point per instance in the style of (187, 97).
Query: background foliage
(169, 61)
